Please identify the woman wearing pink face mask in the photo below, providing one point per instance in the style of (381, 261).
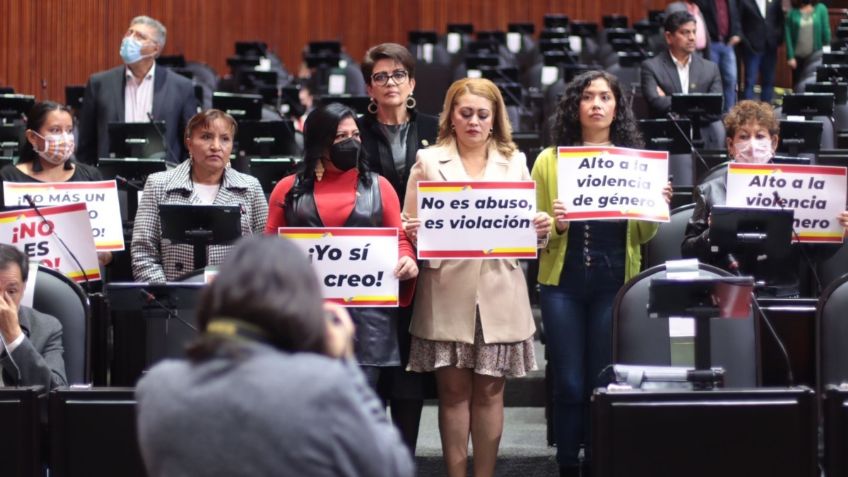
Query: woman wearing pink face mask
(752, 129)
(47, 150)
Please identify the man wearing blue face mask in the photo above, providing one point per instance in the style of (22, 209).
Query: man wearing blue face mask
(139, 91)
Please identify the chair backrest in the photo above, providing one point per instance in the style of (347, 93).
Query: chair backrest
(93, 432)
(57, 295)
(831, 334)
(834, 267)
(666, 243)
(638, 339)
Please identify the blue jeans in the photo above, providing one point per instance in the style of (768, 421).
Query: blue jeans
(725, 57)
(763, 64)
(577, 315)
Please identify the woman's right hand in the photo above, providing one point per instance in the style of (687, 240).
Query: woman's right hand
(559, 217)
(339, 331)
(410, 227)
(793, 63)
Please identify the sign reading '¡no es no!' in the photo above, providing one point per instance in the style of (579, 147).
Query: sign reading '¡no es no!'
(354, 265)
(476, 219)
(597, 183)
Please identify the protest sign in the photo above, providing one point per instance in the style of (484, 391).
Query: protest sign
(815, 193)
(476, 219)
(101, 198)
(354, 265)
(597, 183)
(36, 237)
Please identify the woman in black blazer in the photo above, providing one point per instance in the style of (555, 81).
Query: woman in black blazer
(392, 133)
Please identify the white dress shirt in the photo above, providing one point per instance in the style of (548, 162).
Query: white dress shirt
(138, 97)
(683, 72)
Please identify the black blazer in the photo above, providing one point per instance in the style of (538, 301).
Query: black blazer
(660, 70)
(761, 35)
(424, 131)
(173, 102)
(708, 10)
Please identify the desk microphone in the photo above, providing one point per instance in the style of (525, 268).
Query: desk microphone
(697, 154)
(54, 233)
(126, 182)
(150, 298)
(161, 135)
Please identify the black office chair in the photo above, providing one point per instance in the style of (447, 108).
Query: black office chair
(834, 267)
(57, 295)
(638, 339)
(665, 245)
(831, 333)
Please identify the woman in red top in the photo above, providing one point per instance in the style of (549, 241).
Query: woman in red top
(334, 188)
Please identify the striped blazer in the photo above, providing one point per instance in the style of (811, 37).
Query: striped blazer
(155, 261)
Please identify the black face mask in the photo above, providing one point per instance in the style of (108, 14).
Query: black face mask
(345, 154)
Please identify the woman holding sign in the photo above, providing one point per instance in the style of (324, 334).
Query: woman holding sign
(47, 152)
(334, 187)
(471, 321)
(752, 129)
(585, 262)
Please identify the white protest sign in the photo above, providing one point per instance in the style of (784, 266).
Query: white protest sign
(816, 194)
(597, 183)
(354, 265)
(101, 197)
(476, 219)
(35, 237)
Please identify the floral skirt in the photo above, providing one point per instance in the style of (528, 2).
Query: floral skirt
(497, 359)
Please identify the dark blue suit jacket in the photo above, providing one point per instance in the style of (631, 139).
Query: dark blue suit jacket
(173, 102)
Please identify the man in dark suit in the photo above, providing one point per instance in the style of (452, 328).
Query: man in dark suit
(31, 349)
(762, 33)
(725, 32)
(136, 92)
(677, 70)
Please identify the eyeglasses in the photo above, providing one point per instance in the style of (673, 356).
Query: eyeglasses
(382, 79)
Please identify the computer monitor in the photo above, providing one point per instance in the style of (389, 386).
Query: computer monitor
(559, 57)
(251, 48)
(553, 34)
(7, 90)
(558, 44)
(696, 105)
(835, 58)
(266, 138)
(242, 62)
(832, 157)
(647, 28)
(11, 136)
(139, 140)
(131, 175)
(584, 29)
(525, 28)
(251, 80)
(570, 71)
(761, 232)
(270, 171)
(150, 322)
(718, 297)
(663, 135)
(808, 104)
(239, 106)
(423, 37)
(727, 432)
(461, 28)
(630, 59)
(791, 160)
(839, 90)
(486, 46)
(614, 21)
(657, 17)
(555, 21)
(494, 36)
(200, 226)
(14, 107)
(798, 137)
(503, 74)
(93, 432)
(832, 73)
(355, 102)
(480, 61)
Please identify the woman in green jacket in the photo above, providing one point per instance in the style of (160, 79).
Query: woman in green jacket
(807, 29)
(579, 281)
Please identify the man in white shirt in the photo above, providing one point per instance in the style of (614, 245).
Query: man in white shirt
(762, 33)
(677, 70)
(137, 91)
(31, 350)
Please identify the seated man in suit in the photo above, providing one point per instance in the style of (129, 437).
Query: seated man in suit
(31, 348)
(677, 70)
(138, 91)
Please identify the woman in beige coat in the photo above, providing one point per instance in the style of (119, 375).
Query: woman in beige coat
(471, 322)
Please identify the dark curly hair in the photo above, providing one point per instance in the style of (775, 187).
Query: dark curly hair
(567, 130)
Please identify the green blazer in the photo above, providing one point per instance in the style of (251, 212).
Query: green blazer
(552, 257)
(821, 29)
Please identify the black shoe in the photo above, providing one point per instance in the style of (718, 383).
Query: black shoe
(569, 471)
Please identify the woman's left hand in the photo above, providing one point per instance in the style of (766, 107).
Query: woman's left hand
(843, 219)
(542, 221)
(406, 268)
(104, 258)
(667, 192)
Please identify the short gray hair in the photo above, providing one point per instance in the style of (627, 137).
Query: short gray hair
(161, 31)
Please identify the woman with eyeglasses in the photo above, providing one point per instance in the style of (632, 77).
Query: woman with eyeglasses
(392, 133)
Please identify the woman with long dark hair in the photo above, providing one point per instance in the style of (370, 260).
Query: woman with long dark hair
(334, 187)
(579, 281)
